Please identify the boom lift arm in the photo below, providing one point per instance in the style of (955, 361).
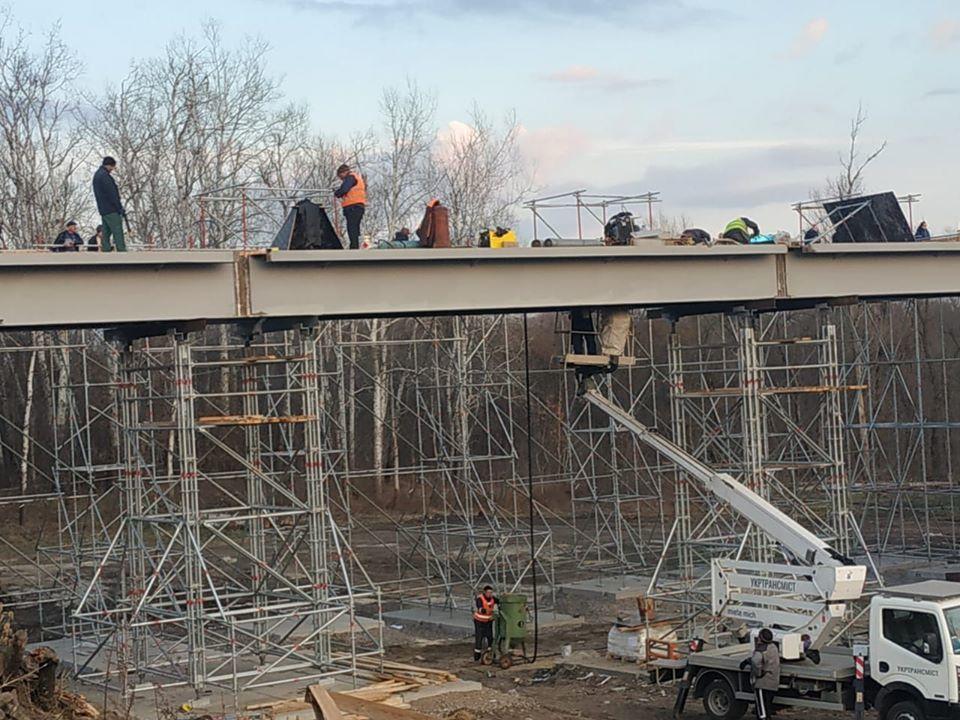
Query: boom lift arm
(805, 598)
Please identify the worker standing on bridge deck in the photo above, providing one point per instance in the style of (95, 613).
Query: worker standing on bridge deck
(483, 622)
(111, 210)
(740, 230)
(353, 198)
(764, 666)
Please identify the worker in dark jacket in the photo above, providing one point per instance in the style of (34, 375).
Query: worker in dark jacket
(69, 240)
(353, 198)
(93, 242)
(922, 232)
(764, 666)
(111, 210)
(483, 621)
(583, 336)
(740, 230)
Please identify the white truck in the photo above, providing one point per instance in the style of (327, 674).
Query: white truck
(910, 663)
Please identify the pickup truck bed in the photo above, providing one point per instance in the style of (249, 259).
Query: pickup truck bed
(836, 663)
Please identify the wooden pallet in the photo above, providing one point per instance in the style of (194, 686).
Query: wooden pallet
(382, 699)
(347, 706)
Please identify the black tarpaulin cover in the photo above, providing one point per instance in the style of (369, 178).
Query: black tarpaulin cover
(307, 227)
(880, 220)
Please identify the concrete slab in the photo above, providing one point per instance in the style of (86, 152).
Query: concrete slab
(622, 587)
(340, 625)
(444, 688)
(593, 662)
(459, 623)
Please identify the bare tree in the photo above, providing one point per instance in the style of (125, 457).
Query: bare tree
(480, 174)
(401, 179)
(39, 139)
(853, 163)
(200, 117)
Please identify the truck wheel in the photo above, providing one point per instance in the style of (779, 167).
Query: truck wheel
(720, 702)
(905, 710)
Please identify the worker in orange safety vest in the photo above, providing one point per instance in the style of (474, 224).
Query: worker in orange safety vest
(353, 198)
(483, 621)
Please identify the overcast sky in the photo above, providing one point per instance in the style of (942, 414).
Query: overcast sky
(727, 107)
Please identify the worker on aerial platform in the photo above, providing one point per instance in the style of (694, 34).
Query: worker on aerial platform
(614, 327)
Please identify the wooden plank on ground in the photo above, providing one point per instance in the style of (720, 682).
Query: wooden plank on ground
(324, 707)
(375, 710)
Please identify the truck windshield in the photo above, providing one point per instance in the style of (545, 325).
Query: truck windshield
(953, 625)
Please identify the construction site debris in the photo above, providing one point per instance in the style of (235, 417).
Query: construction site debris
(633, 642)
(253, 420)
(29, 681)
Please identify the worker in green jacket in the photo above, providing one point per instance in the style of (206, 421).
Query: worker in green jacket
(740, 230)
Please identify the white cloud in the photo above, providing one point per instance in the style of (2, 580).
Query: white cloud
(553, 151)
(945, 33)
(809, 37)
(587, 76)
(574, 74)
(710, 146)
(942, 92)
(454, 134)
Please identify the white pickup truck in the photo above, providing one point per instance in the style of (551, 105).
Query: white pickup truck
(912, 660)
(912, 656)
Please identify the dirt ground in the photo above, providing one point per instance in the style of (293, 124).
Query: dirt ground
(546, 689)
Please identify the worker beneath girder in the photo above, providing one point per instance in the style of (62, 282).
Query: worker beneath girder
(614, 330)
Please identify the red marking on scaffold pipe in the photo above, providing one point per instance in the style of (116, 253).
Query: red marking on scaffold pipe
(858, 666)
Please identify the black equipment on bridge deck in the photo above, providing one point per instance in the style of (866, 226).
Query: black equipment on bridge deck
(868, 218)
(307, 227)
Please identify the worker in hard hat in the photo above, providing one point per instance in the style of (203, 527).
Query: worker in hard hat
(764, 666)
(353, 198)
(740, 230)
(483, 621)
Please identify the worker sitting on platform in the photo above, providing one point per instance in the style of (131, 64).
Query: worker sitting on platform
(740, 230)
(483, 622)
(696, 236)
(69, 240)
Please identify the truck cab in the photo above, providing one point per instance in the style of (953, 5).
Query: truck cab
(914, 651)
